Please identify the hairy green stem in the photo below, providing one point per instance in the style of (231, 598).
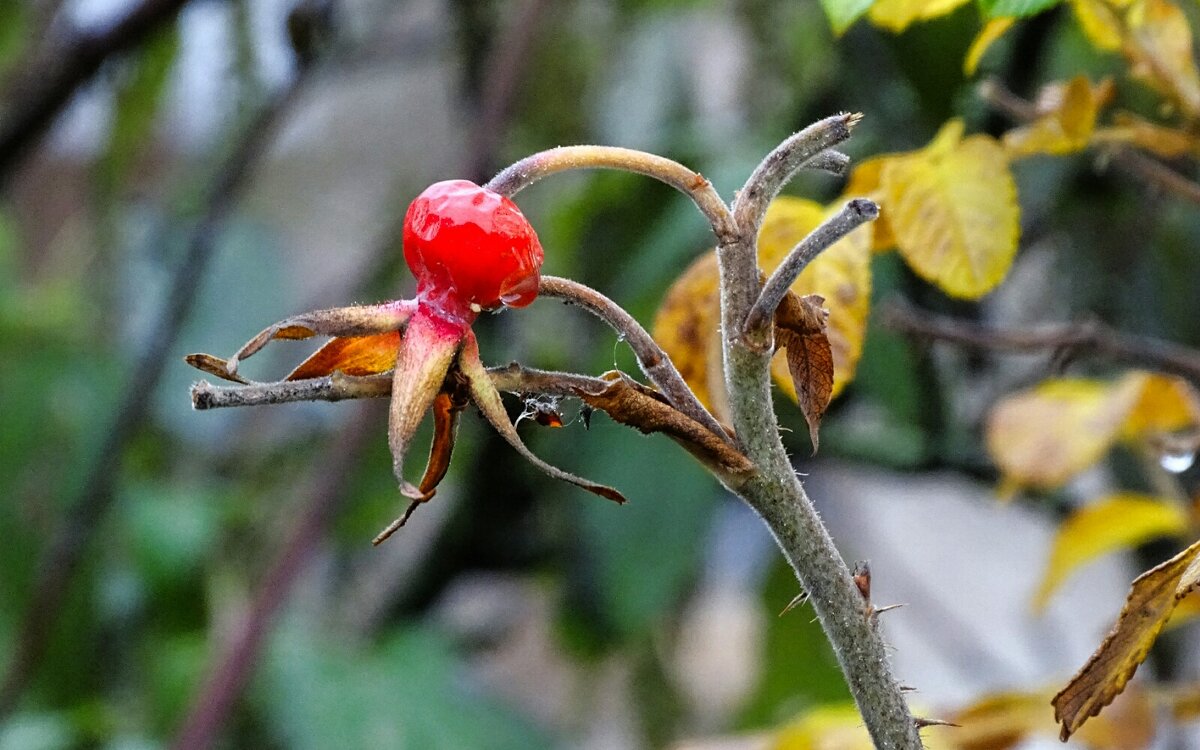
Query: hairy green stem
(776, 492)
(853, 215)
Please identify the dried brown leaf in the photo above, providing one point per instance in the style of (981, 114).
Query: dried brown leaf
(630, 403)
(1152, 599)
(800, 325)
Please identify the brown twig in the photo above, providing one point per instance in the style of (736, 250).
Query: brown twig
(1091, 337)
(1132, 162)
(60, 67)
(71, 540)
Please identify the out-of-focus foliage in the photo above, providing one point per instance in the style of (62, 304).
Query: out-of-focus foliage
(517, 613)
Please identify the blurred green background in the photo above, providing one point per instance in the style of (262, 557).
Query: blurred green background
(214, 569)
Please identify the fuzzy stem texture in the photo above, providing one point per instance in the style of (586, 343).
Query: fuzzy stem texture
(778, 496)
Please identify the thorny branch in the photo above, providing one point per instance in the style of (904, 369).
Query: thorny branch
(758, 469)
(1090, 337)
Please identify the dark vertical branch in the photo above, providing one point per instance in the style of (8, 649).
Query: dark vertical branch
(60, 67)
(210, 709)
(228, 679)
(67, 548)
(506, 62)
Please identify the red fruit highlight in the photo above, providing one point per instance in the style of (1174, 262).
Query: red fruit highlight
(470, 249)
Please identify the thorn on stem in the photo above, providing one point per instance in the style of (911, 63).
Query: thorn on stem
(797, 600)
(922, 723)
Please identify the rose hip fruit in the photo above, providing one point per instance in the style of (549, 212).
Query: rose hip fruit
(470, 249)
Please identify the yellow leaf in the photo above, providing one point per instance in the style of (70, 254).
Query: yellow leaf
(841, 275)
(1099, 22)
(1044, 436)
(831, 727)
(688, 328)
(1167, 142)
(1116, 522)
(897, 15)
(1165, 404)
(953, 209)
(987, 36)
(1002, 720)
(1066, 124)
(1152, 598)
(1161, 52)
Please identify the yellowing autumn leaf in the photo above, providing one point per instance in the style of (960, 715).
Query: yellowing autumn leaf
(1112, 523)
(1164, 405)
(1160, 49)
(841, 275)
(1152, 598)
(987, 36)
(1044, 436)
(897, 15)
(832, 727)
(688, 328)
(1100, 23)
(1002, 720)
(952, 207)
(1065, 125)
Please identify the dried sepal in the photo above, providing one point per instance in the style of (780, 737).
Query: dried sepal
(426, 353)
(487, 398)
(214, 366)
(360, 320)
(800, 328)
(351, 355)
(448, 405)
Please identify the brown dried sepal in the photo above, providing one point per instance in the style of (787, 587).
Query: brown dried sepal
(352, 355)
(800, 328)
(214, 366)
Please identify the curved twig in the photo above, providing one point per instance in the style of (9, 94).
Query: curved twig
(853, 215)
(783, 162)
(694, 185)
(654, 362)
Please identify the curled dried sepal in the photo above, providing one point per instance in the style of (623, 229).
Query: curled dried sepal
(214, 366)
(351, 355)
(634, 405)
(359, 320)
(487, 398)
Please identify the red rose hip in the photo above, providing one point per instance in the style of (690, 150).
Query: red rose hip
(470, 249)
